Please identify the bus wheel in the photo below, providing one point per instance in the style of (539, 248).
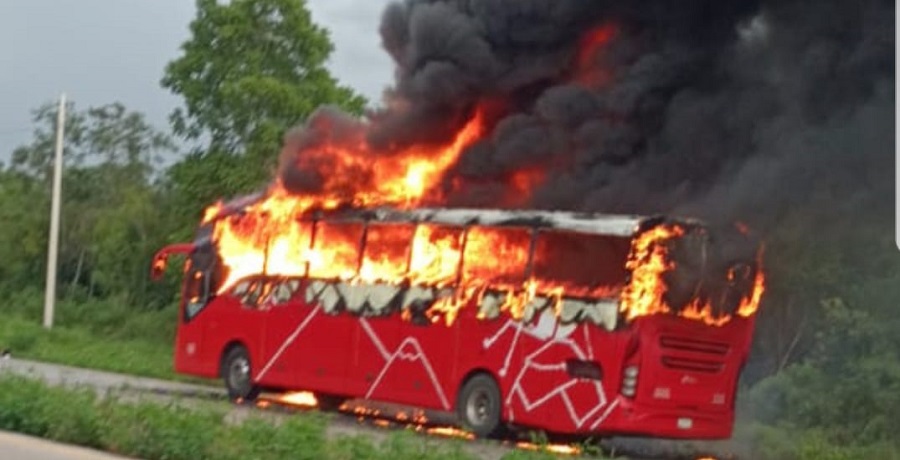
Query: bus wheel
(478, 406)
(237, 376)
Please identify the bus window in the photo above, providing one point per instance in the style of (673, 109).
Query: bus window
(436, 253)
(585, 265)
(264, 292)
(335, 252)
(201, 280)
(285, 251)
(496, 257)
(585, 268)
(386, 254)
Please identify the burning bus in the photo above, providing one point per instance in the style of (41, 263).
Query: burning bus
(583, 324)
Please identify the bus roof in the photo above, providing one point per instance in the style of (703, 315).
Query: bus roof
(582, 222)
(619, 225)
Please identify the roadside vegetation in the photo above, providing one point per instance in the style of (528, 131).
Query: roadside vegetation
(823, 381)
(99, 334)
(156, 431)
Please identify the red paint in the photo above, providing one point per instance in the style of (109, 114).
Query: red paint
(687, 370)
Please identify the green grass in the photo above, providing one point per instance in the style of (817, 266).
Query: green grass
(105, 334)
(77, 346)
(156, 431)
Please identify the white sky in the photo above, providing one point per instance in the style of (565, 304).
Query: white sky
(101, 51)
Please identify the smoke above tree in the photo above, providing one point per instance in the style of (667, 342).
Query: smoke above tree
(720, 110)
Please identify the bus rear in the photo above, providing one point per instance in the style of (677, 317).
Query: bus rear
(691, 327)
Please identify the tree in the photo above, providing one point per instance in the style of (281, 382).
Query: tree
(251, 70)
(111, 221)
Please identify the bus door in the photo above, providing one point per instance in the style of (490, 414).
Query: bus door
(183, 361)
(198, 291)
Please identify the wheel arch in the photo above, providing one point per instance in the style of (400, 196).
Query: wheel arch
(231, 345)
(472, 373)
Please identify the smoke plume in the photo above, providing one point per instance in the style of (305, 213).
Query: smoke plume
(719, 110)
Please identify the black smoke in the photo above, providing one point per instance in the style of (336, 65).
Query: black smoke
(721, 110)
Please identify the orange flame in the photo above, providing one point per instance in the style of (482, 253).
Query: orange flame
(269, 237)
(559, 449)
(647, 264)
(450, 432)
(750, 304)
(298, 398)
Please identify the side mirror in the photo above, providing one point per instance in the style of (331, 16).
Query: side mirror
(160, 260)
(158, 269)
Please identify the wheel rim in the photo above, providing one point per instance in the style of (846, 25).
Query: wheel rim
(478, 407)
(239, 373)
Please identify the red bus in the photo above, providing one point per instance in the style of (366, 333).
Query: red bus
(580, 324)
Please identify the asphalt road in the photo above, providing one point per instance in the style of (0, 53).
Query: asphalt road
(15, 446)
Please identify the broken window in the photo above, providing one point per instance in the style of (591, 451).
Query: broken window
(286, 252)
(387, 253)
(585, 272)
(201, 279)
(264, 292)
(496, 257)
(436, 255)
(336, 250)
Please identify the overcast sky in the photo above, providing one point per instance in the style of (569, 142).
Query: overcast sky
(101, 51)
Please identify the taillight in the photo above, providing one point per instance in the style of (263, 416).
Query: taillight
(629, 381)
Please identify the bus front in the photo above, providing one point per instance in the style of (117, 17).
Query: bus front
(690, 304)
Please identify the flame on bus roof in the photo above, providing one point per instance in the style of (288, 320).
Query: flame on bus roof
(273, 234)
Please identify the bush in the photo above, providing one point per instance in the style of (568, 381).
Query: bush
(791, 443)
(154, 431)
(83, 348)
(64, 415)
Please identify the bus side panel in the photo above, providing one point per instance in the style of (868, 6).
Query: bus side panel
(425, 362)
(323, 350)
(277, 368)
(375, 346)
(531, 371)
(530, 362)
(201, 341)
(590, 400)
(492, 346)
(227, 323)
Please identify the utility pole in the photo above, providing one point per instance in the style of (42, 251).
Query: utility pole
(53, 247)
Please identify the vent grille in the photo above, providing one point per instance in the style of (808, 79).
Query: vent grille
(694, 355)
(694, 345)
(694, 365)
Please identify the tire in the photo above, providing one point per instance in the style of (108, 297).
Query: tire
(478, 406)
(237, 375)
